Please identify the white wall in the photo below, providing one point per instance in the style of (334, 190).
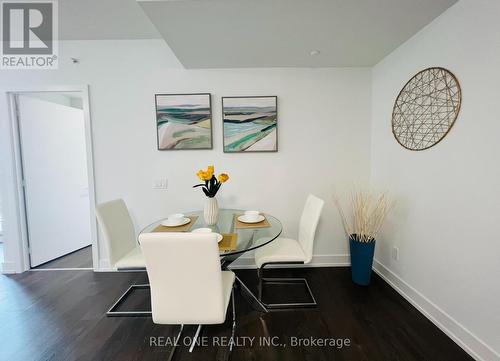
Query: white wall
(448, 196)
(324, 134)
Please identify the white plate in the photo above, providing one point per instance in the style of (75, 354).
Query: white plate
(169, 223)
(245, 219)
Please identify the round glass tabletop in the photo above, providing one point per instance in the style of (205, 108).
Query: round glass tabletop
(238, 238)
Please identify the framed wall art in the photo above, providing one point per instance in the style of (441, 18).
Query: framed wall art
(250, 124)
(183, 121)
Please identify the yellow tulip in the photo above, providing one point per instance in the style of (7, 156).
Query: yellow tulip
(202, 175)
(223, 177)
(210, 172)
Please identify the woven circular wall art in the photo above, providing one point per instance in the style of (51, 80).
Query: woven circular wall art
(426, 108)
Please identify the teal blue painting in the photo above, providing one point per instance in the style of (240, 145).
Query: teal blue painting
(250, 124)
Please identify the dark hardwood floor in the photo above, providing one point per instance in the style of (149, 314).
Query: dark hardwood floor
(78, 259)
(60, 315)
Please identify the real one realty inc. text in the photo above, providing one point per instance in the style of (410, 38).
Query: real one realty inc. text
(247, 341)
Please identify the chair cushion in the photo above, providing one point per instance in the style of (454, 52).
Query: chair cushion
(132, 260)
(228, 278)
(280, 250)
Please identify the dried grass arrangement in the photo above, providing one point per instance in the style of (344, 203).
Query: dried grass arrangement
(368, 215)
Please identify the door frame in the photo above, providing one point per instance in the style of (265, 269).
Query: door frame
(21, 226)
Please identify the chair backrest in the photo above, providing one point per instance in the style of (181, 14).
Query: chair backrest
(308, 223)
(184, 273)
(117, 227)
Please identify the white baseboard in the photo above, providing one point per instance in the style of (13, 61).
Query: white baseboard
(322, 260)
(105, 270)
(8, 268)
(457, 332)
(104, 266)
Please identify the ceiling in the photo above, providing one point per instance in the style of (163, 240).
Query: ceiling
(103, 20)
(256, 33)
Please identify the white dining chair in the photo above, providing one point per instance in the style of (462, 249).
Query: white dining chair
(286, 251)
(124, 251)
(187, 284)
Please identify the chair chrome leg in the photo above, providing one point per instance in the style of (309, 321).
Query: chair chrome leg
(283, 281)
(234, 321)
(195, 338)
(255, 299)
(176, 342)
(112, 313)
(259, 287)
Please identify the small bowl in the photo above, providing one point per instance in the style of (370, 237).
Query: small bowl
(176, 217)
(206, 231)
(202, 230)
(252, 215)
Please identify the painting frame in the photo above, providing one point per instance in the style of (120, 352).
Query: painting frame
(275, 97)
(210, 114)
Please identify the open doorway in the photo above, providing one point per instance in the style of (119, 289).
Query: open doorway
(56, 179)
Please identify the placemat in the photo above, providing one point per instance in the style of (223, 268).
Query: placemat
(240, 225)
(183, 228)
(228, 242)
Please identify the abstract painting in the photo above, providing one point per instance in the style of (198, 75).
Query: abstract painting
(183, 121)
(250, 124)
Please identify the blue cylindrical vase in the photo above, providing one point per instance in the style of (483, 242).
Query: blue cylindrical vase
(361, 260)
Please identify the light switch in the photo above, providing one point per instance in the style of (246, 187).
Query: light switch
(160, 183)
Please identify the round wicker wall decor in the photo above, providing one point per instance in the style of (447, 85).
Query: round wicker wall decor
(426, 108)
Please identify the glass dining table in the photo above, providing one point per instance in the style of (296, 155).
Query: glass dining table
(245, 238)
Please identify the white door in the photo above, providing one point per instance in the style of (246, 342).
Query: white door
(55, 177)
